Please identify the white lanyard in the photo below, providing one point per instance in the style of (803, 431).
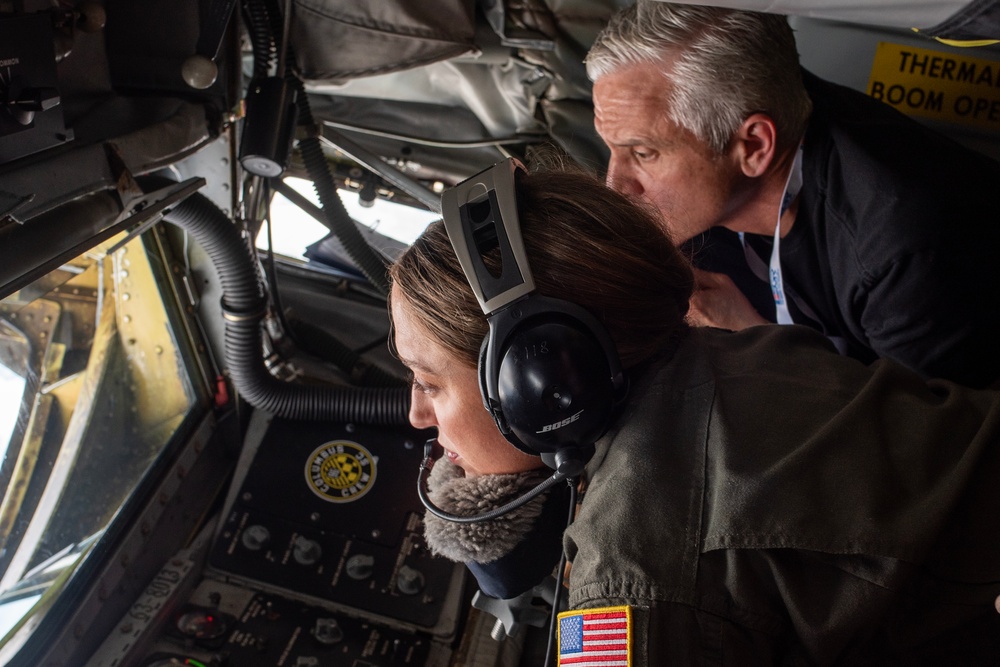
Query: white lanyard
(792, 187)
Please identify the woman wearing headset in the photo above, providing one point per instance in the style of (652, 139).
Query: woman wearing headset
(756, 498)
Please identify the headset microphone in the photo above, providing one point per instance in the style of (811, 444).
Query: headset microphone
(427, 463)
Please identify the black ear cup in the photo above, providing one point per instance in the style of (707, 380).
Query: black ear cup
(554, 385)
(549, 374)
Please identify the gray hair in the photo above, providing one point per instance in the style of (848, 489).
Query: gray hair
(726, 65)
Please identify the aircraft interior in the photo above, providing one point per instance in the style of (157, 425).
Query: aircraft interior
(207, 455)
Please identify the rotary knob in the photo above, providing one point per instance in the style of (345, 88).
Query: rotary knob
(256, 537)
(306, 551)
(360, 566)
(409, 581)
(328, 631)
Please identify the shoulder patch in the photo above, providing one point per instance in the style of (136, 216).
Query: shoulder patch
(595, 637)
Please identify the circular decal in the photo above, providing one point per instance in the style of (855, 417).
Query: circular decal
(340, 471)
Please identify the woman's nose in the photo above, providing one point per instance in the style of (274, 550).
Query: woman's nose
(421, 412)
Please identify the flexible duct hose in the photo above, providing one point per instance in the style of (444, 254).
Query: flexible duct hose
(244, 308)
(370, 263)
(264, 19)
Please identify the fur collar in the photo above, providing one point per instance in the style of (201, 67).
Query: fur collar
(486, 541)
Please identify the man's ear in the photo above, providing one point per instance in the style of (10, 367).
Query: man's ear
(755, 144)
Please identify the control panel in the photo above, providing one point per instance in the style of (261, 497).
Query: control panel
(31, 118)
(330, 511)
(317, 558)
(225, 625)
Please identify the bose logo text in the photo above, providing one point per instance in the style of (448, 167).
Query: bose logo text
(560, 424)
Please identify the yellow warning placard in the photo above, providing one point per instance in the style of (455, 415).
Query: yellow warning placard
(935, 84)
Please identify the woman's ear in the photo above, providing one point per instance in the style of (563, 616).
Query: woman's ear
(755, 144)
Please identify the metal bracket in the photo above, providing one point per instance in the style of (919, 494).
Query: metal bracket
(513, 613)
(143, 212)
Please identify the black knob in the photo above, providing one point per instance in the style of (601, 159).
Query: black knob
(256, 537)
(22, 100)
(360, 566)
(328, 631)
(306, 551)
(410, 581)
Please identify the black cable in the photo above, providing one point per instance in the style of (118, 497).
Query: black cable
(270, 270)
(255, 17)
(286, 16)
(557, 594)
(426, 464)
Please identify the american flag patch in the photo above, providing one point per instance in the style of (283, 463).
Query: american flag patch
(596, 637)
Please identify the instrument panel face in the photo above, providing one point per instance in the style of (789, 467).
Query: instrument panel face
(330, 511)
(229, 625)
(318, 558)
(31, 116)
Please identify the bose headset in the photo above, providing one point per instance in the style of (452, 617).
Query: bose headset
(549, 372)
